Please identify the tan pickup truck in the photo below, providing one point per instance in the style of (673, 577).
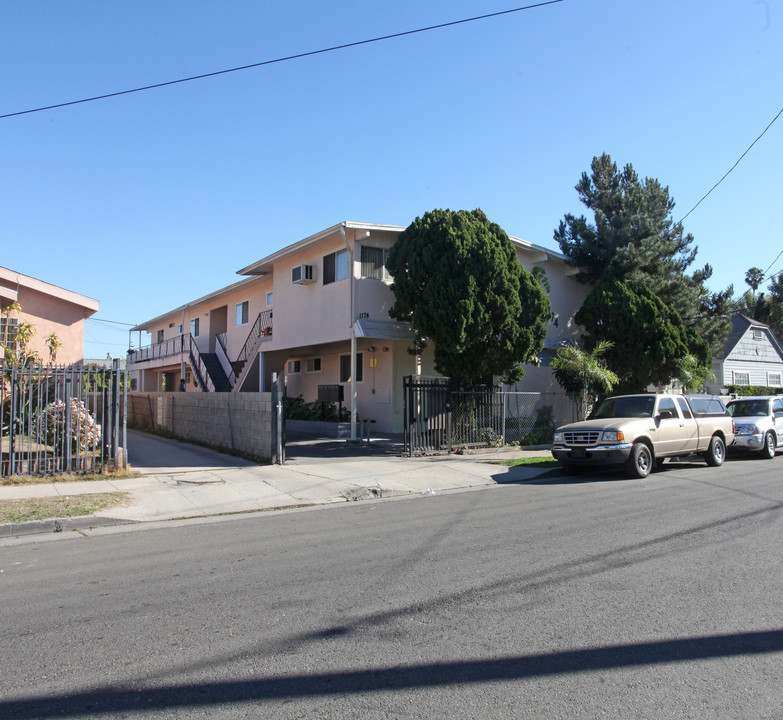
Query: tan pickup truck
(638, 430)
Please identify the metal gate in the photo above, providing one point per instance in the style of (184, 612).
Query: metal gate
(441, 415)
(62, 420)
(427, 410)
(279, 395)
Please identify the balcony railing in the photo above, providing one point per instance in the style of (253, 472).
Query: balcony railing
(168, 348)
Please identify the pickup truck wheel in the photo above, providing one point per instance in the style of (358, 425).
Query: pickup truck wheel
(716, 453)
(768, 451)
(640, 462)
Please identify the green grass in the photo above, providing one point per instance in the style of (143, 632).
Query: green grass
(541, 462)
(18, 511)
(66, 478)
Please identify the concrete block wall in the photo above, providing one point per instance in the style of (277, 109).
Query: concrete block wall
(236, 421)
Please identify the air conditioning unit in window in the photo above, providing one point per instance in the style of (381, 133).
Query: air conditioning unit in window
(303, 274)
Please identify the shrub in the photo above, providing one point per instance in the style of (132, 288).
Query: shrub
(297, 409)
(745, 390)
(51, 428)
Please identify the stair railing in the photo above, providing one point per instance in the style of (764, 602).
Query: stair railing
(199, 369)
(262, 328)
(221, 350)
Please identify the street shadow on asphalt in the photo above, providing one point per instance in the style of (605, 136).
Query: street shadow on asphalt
(204, 695)
(520, 474)
(310, 447)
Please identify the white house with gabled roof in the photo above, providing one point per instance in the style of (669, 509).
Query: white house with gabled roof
(317, 313)
(751, 355)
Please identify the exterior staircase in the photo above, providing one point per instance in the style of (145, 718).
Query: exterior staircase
(215, 372)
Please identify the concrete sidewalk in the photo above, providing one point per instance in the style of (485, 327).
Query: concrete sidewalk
(182, 481)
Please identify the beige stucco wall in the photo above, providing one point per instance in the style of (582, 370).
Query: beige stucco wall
(315, 320)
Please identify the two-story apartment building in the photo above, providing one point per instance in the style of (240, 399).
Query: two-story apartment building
(50, 309)
(317, 313)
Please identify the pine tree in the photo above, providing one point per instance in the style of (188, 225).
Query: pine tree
(649, 341)
(634, 237)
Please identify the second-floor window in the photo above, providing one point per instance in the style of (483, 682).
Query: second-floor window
(373, 261)
(269, 298)
(194, 327)
(242, 313)
(160, 336)
(335, 266)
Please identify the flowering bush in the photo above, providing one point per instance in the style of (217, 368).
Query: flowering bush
(84, 432)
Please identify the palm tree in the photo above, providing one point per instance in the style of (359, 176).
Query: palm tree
(691, 374)
(54, 344)
(583, 375)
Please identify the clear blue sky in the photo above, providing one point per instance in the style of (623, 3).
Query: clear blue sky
(149, 200)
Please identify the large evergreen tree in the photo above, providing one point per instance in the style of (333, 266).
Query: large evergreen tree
(649, 341)
(634, 237)
(458, 281)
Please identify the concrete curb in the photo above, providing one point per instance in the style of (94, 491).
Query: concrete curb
(56, 525)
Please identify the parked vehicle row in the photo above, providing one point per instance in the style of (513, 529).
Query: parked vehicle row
(639, 431)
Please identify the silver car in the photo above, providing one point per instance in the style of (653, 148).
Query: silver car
(758, 423)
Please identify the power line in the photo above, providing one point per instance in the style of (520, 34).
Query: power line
(780, 112)
(281, 59)
(773, 262)
(101, 321)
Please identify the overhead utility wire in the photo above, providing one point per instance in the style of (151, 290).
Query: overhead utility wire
(780, 112)
(773, 262)
(282, 59)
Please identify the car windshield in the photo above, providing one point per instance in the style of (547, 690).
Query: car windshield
(625, 407)
(749, 408)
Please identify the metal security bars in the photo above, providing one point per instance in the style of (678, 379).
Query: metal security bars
(62, 420)
(441, 416)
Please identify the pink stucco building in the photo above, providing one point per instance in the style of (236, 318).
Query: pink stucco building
(51, 309)
(317, 312)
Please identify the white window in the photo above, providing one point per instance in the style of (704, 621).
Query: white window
(335, 266)
(8, 329)
(179, 329)
(741, 378)
(758, 334)
(194, 327)
(242, 313)
(773, 379)
(313, 364)
(294, 366)
(373, 262)
(269, 298)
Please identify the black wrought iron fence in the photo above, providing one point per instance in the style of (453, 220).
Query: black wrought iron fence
(441, 416)
(62, 420)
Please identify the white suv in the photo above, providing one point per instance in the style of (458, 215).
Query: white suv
(758, 424)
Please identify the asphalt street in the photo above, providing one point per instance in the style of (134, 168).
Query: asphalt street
(549, 598)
